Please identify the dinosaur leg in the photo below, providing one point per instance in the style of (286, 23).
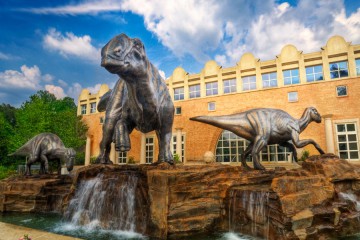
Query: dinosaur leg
(292, 149)
(59, 166)
(46, 163)
(244, 156)
(42, 168)
(259, 143)
(164, 138)
(30, 161)
(302, 143)
(122, 137)
(113, 114)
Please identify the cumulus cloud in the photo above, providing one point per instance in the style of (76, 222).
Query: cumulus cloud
(162, 74)
(71, 45)
(56, 90)
(223, 30)
(27, 77)
(62, 83)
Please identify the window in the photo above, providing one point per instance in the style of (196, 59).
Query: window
(211, 88)
(211, 106)
(347, 140)
(93, 107)
(249, 83)
(178, 94)
(291, 76)
(269, 80)
(292, 96)
(149, 147)
(229, 85)
(194, 91)
(230, 148)
(174, 142)
(177, 110)
(122, 157)
(314, 73)
(357, 63)
(101, 120)
(83, 109)
(341, 91)
(339, 70)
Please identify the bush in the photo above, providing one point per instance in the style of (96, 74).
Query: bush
(6, 172)
(304, 155)
(177, 158)
(79, 158)
(131, 160)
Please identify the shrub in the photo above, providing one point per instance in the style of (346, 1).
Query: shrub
(304, 155)
(131, 160)
(177, 158)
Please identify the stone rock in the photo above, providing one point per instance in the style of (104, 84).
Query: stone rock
(209, 157)
(332, 167)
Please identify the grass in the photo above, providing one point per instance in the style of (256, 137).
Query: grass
(6, 172)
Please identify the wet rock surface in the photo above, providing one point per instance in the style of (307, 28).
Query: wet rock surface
(311, 202)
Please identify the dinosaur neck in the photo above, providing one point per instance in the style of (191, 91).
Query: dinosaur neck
(304, 120)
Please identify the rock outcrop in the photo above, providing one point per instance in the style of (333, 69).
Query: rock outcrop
(34, 194)
(319, 200)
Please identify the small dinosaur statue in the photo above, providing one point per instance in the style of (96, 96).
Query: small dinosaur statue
(265, 126)
(140, 99)
(44, 147)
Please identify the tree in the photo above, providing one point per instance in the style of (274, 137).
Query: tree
(44, 113)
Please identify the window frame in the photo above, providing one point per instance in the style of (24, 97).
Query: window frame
(231, 87)
(248, 81)
(149, 154)
(93, 107)
(121, 157)
(314, 73)
(176, 112)
(211, 103)
(269, 79)
(209, 86)
(196, 93)
(179, 95)
(83, 109)
(346, 133)
(297, 96)
(338, 71)
(337, 91)
(294, 79)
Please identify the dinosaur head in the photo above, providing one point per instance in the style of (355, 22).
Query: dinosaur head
(124, 56)
(314, 114)
(69, 158)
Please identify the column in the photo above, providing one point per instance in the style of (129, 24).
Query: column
(143, 149)
(329, 135)
(113, 153)
(178, 143)
(87, 150)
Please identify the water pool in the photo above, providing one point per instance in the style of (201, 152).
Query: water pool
(53, 222)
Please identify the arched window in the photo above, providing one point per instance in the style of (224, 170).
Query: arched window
(230, 148)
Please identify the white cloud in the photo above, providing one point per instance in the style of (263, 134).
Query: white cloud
(47, 78)
(62, 83)
(223, 30)
(71, 45)
(95, 88)
(162, 74)
(26, 78)
(56, 90)
(74, 91)
(4, 56)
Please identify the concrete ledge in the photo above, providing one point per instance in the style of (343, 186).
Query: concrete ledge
(14, 232)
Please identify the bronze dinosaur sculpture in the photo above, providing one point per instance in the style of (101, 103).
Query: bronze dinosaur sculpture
(44, 147)
(140, 99)
(265, 126)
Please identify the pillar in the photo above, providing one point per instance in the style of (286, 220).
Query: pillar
(143, 149)
(178, 143)
(87, 150)
(329, 135)
(113, 153)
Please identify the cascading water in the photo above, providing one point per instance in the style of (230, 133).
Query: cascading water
(349, 196)
(106, 202)
(248, 212)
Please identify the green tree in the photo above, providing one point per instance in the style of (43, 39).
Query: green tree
(44, 113)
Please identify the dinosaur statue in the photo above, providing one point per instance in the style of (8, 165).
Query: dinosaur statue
(44, 147)
(140, 99)
(265, 126)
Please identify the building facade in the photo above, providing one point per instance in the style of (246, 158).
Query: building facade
(328, 80)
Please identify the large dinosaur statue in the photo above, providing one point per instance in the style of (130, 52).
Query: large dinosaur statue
(265, 126)
(140, 99)
(44, 147)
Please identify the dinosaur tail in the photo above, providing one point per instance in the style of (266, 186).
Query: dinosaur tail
(24, 150)
(218, 121)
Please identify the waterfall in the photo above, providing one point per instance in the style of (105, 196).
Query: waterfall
(248, 212)
(106, 203)
(352, 198)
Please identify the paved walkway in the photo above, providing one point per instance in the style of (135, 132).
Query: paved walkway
(14, 232)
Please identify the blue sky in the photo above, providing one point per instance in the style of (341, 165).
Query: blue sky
(54, 45)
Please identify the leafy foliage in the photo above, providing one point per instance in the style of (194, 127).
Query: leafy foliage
(41, 113)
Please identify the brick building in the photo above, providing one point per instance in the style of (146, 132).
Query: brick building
(328, 80)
